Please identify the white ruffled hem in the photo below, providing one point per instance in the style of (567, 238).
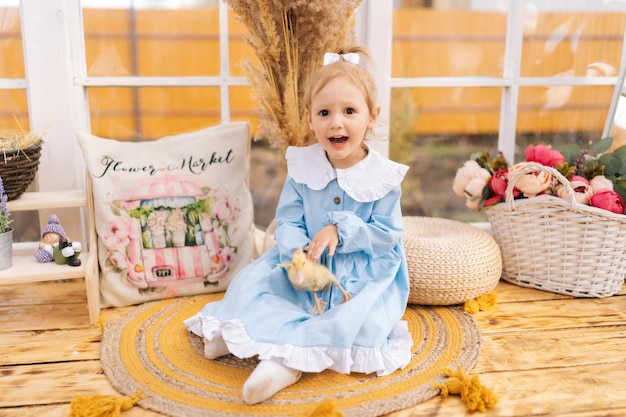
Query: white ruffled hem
(309, 359)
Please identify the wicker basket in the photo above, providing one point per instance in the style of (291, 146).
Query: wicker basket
(558, 245)
(449, 262)
(18, 168)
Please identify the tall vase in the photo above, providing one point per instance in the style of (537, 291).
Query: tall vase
(6, 250)
(178, 238)
(158, 239)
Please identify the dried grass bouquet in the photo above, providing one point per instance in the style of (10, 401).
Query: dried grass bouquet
(289, 39)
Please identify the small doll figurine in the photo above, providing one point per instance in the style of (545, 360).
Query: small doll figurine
(55, 246)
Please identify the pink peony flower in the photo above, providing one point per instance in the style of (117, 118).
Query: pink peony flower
(118, 259)
(608, 200)
(485, 187)
(224, 210)
(121, 228)
(228, 254)
(469, 182)
(600, 183)
(544, 155)
(492, 201)
(581, 187)
(474, 192)
(498, 183)
(533, 183)
(468, 172)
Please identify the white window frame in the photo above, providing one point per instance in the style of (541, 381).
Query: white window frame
(378, 37)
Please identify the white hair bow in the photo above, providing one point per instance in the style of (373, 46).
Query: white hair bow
(330, 57)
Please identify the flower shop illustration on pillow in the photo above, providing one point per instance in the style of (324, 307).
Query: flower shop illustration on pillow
(171, 231)
(174, 215)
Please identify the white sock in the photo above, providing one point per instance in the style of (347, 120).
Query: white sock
(267, 379)
(215, 347)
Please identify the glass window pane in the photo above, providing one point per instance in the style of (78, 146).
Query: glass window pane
(148, 113)
(576, 114)
(107, 44)
(443, 41)
(153, 41)
(14, 110)
(238, 47)
(243, 107)
(268, 171)
(445, 110)
(434, 131)
(11, 52)
(267, 165)
(572, 42)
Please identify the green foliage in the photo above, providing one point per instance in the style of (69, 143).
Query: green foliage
(195, 210)
(141, 211)
(611, 164)
(603, 145)
(404, 112)
(566, 170)
(570, 153)
(492, 165)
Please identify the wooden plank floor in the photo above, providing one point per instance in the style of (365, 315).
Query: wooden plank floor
(543, 354)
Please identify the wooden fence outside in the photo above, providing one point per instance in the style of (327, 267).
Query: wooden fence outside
(427, 42)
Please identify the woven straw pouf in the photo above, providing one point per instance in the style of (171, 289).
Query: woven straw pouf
(449, 262)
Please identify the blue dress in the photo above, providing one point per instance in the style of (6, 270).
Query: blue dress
(261, 312)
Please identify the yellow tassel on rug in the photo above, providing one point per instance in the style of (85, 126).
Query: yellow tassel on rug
(482, 303)
(325, 409)
(473, 394)
(100, 323)
(101, 405)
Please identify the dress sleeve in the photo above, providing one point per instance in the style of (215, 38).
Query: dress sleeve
(375, 236)
(291, 231)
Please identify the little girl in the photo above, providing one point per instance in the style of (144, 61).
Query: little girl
(341, 203)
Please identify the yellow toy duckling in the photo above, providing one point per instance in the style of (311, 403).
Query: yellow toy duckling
(307, 275)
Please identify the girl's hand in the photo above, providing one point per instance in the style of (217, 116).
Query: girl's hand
(327, 237)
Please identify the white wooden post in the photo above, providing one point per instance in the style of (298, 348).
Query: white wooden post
(53, 52)
(375, 29)
(510, 92)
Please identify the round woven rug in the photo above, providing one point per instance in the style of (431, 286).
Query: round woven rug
(150, 350)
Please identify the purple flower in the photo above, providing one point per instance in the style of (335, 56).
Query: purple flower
(5, 221)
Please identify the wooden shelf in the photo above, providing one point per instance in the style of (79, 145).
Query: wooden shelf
(48, 200)
(26, 269)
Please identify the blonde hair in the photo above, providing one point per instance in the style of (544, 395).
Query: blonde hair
(356, 74)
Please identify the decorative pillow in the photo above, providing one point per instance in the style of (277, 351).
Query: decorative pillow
(173, 216)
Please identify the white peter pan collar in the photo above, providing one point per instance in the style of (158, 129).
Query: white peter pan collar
(368, 180)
